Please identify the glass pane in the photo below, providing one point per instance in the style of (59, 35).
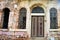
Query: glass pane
(38, 10)
(22, 18)
(53, 18)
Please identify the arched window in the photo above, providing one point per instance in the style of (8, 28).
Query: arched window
(53, 18)
(22, 18)
(37, 10)
(5, 18)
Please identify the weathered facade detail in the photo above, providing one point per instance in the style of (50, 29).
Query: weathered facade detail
(33, 18)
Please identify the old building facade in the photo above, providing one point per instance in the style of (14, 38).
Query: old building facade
(35, 17)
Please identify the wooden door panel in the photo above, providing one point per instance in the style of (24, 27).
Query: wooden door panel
(40, 23)
(37, 23)
(34, 24)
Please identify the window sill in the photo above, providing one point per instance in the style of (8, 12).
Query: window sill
(3, 29)
(17, 29)
(52, 30)
(13, 29)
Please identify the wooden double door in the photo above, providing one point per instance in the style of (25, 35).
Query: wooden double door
(37, 26)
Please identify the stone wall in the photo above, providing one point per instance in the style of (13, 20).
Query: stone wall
(14, 13)
(59, 18)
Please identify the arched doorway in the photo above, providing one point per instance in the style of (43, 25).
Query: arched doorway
(37, 22)
(5, 18)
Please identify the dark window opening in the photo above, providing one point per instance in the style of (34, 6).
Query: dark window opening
(22, 23)
(6, 18)
(53, 18)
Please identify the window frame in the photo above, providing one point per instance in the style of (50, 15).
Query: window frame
(20, 16)
(3, 17)
(54, 16)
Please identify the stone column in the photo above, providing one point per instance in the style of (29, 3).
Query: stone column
(58, 18)
(13, 20)
(1, 19)
(28, 22)
(16, 17)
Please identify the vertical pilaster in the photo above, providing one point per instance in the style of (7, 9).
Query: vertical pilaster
(1, 16)
(28, 21)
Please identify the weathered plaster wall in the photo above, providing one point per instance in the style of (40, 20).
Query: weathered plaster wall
(1, 16)
(58, 17)
(14, 14)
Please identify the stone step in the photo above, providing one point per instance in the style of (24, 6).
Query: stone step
(38, 38)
